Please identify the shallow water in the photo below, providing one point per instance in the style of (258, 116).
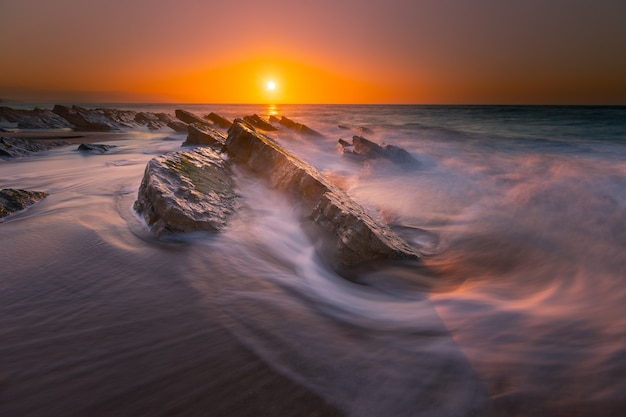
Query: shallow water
(518, 308)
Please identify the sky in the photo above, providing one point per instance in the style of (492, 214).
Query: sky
(322, 51)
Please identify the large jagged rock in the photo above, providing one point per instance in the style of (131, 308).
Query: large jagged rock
(218, 120)
(16, 147)
(190, 118)
(366, 149)
(258, 122)
(298, 127)
(186, 192)
(12, 200)
(354, 235)
(204, 136)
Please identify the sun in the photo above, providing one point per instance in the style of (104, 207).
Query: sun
(271, 85)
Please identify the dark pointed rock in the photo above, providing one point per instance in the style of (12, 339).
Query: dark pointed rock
(204, 136)
(259, 123)
(218, 120)
(34, 119)
(274, 119)
(189, 118)
(16, 147)
(186, 192)
(94, 147)
(298, 127)
(178, 126)
(354, 236)
(12, 200)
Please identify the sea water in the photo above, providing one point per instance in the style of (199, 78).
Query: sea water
(518, 307)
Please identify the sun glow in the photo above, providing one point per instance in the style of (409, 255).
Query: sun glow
(271, 85)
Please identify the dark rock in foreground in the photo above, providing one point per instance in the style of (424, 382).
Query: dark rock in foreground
(354, 235)
(218, 120)
(258, 122)
(186, 192)
(95, 147)
(16, 147)
(12, 200)
(369, 150)
(204, 136)
(298, 127)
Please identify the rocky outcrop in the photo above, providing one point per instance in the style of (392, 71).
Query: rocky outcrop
(204, 136)
(258, 122)
(354, 236)
(298, 127)
(12, 200)
(94, 147)
(79, 118)
(34, 119)
(152, 120)
(190, 118)
(186, 192)
(366, 149)
(16, 147)
(92, 120)
(218, 120)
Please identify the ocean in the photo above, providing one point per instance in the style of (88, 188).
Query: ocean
(518, 307)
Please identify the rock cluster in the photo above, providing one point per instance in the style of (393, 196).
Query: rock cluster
(366, 149)
(12, 200)
(354, 235)
(194, 190)
(186, 192)
(80, 118)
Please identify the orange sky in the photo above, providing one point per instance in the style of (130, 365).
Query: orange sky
(339, 51)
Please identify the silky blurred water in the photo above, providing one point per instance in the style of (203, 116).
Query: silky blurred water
(517, 309)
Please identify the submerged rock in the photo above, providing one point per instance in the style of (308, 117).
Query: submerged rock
(95, 147)
(354, 236)
(204, 136)
(298, 127)
(12, 200)
(16, 147)
(218, 120)
(367, 149)
(258, 122)
(186, 192)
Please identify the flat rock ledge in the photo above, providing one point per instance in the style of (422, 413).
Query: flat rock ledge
(354, 236)
(187, 191)
(12, 200)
